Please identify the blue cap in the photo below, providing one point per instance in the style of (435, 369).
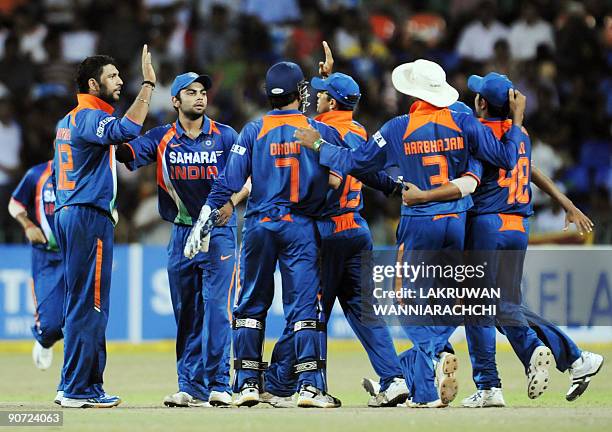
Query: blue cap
(283, 78)
(185, 80)
(460, 107)
(493, 87)
(340, 86)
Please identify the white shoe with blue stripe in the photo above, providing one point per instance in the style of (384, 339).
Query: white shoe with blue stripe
(105, 401)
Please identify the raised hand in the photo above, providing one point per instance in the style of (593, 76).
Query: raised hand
(148, 73)
(326, 67)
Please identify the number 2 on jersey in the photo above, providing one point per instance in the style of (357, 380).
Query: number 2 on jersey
(64, 166)
(294, 166)
(517, 182)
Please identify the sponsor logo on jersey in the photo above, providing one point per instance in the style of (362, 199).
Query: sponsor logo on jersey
(202, 157)
(380, 141)
(238, 149)
(102, 125)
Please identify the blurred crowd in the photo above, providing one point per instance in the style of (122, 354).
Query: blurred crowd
(559, 53)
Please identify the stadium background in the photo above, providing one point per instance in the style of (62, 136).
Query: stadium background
(562, 62)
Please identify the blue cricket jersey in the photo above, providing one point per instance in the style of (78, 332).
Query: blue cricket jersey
(36, 193)
(186, 167)
(84, 161)
(431, 146)
(505, 191)
(286, 178)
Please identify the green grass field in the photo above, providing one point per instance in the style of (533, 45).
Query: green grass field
(142, 375)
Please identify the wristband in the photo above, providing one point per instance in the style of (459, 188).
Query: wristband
(28, 226)
(151, 83)
(317, 144)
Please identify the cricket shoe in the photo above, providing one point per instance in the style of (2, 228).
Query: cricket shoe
(43, 357)
(396, 393)
(485, 399)
(220, 399)
(370, 386)
(198, 403)
(434, 404)
(105, 401)
(445, 380)
(179, 399)
(311, 397)
(537, 373)
(277, 401)
(58, 397)
(581, 371)
(249, 395)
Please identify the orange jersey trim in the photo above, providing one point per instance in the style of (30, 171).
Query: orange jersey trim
(87, 101)
(98, 275)
(39, 187)
(442, 216)
(511, 222)
(422, 113)
(273, 121)
(345, 222)
(161, 148)
(229, 295)
(342, 121)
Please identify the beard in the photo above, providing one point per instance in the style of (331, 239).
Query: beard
(106, 95)
(193, 115)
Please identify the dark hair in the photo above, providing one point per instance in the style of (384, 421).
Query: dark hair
(498, 112)
(91, 67)
(339, 105)
(283, 100)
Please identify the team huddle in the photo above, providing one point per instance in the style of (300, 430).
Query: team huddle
(465, 185)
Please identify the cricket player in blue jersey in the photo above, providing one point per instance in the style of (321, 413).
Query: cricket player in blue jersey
(499, 221)
(432, 145)
(190, 154)
(289, 188)
(86, 187)
(32, 204)
(344, 235)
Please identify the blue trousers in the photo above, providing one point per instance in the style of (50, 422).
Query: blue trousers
(504, 240)
(202, 293)
(48, 291)
(85, 237)
(290, 241)
(341, 274)
(564, 349)
(426, 233)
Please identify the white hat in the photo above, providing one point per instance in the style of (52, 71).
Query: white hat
(425, 80)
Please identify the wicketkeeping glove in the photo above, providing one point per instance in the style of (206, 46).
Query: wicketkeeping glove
(199, 237)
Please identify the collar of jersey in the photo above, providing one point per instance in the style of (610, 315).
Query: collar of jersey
(422, 108)
(335, 117)
(278, 112)
(90, 101)
(206, 126)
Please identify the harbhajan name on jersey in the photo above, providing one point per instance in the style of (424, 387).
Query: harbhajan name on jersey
(433, 146)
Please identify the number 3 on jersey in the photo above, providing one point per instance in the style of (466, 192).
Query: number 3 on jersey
(442, 163)
(517, 182)
(294, 166)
